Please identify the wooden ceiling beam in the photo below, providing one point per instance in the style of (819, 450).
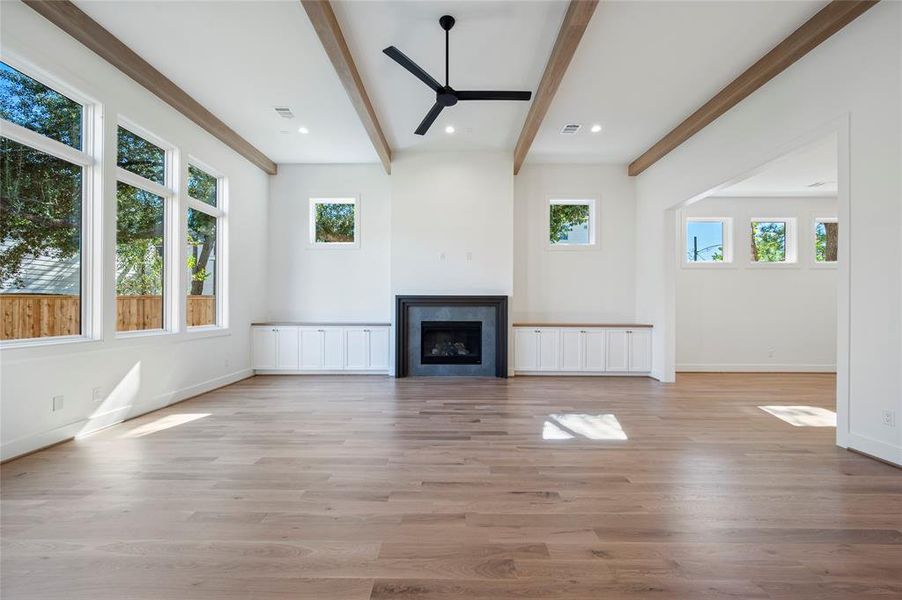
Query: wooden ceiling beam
(803, 40)
(579, 13)
(91, 34)
(327, 28)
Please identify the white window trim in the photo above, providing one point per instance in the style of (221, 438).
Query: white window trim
(727, 228)
(589, 201)
(792, 243)
(220, 212)
(817, 218)
(171, 284)
(311, 222)
(91, 292)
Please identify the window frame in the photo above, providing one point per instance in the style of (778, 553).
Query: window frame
(590, 201)
(791, 253)
(311, 221)
(826, 264)
(171, 226)
(727, 233)
(220, 213)
(88, 158)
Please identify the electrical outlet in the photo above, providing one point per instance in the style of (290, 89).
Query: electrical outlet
(57, 404)
(97, 394)
(770, 353)
(227, 364)
(889, 418)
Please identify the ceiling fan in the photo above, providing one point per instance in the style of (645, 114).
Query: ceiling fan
(445, 95)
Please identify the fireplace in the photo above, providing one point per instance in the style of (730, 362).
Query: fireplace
(451, 342)
(451, 336)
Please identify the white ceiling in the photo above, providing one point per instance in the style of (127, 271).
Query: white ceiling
(808, 171)
(494, 45)
(643, 67)
(241, 59)
(640, 69)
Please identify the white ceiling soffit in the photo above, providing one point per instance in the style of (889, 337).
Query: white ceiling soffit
(494, 45)
(809, 171)
(642, 67)
(242, 59)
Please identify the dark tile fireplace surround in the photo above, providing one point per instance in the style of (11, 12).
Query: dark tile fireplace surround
(462, 336)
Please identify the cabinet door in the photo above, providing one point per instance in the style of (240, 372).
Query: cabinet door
(287, 348)
(640, 350)
(617, 356)
(357, 349)
(549, 349)
(572, 349)
(526, 349)
(264, 340)
(311, 348)
(333, 348)
(594, 350)
(379, 348)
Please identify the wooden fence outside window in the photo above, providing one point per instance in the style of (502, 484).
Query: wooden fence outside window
(27, 316)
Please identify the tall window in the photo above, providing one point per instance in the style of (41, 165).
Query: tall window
(205, 216)
(334, 222)
(44, 190)
(142, 196)
(772, 241)
(826, 240)
(571, 223)
(707, 240)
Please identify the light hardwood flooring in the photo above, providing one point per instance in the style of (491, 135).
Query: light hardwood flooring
(366, 487)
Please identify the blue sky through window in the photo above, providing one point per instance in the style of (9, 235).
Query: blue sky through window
(704, 241)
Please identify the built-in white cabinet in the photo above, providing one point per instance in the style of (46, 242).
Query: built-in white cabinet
(366, 349)
(582, 350)
(320, 348)
(266, 341)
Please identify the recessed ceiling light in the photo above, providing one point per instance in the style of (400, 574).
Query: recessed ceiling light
(595, 128)
(449, 129)
(303, 130)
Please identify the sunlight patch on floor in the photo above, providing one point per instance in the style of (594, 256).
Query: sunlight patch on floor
(803, 416)
(572, 425)
(167, 422)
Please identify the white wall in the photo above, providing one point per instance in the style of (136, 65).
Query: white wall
(452, 223)
(595, 284)
(139, 374)
(340, 284)
(851, 83)
(757, 317)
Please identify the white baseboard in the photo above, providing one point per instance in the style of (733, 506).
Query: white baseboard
(753, 368)
(875, 448)
(310, 372)
(96, 422)
(577, 374)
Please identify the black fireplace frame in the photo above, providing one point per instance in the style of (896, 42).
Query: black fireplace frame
(402, 326)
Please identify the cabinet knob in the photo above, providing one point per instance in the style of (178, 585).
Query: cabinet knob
(321, 330)
(536, 331)
(583, 331)
(275, 329)
(366, 331)
(629, 331)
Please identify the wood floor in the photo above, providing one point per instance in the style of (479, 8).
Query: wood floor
(365, 487)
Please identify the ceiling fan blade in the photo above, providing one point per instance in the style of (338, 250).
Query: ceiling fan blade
(493, 95)
(430, 118)
(402, 59)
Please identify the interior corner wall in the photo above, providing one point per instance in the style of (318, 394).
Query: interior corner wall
(745, 317)
(307, 283)
(855, 77)
(594, 285)
(134, 375)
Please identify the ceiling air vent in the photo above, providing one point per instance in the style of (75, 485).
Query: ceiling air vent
(284, 112)
(570, 128)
